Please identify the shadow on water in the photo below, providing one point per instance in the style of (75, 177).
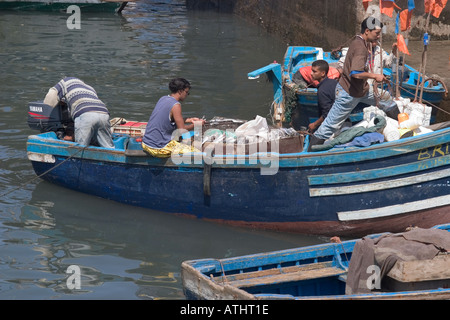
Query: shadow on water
(123, 252)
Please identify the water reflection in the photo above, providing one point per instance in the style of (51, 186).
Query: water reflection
(123, 252)
(113, 243)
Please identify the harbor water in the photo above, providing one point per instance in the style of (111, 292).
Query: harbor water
(123, 252)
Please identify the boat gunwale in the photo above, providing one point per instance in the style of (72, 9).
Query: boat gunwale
(192, 267)
(287, 160)
(324, 250)
(312, 251)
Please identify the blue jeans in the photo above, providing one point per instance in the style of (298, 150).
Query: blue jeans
(93, 128)
(341, 109)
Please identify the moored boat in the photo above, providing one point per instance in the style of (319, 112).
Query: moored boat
(327, 271)
(63, 5)
(289, 96)
(276, 185)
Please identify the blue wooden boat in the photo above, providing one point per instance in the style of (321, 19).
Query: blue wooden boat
(349, 191)
(315, 272)
(63, 5)
(300, 56)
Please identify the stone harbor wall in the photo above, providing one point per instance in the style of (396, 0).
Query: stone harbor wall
(330, 22)
(333, 22)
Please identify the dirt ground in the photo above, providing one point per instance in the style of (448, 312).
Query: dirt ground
(438, 63)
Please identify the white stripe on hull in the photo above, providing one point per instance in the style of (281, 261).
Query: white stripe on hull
(384, 185)
(394, 210)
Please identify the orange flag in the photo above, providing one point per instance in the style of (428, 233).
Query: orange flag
(405, 19)
(387, 7)
(429, 5)
(435, 6)
(366, 4)
(401, 44)
(438, 7)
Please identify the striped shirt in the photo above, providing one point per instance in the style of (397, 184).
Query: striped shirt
(79, 96)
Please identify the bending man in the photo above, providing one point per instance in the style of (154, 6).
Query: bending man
(89, 113)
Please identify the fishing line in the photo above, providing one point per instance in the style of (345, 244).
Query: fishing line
(42, 174)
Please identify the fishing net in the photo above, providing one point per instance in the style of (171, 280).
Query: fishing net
(290, 100)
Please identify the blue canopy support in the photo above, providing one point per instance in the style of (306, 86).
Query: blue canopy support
(273, 72)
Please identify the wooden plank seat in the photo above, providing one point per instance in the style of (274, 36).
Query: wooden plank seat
(281, 275)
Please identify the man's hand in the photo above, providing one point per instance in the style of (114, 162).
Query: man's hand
(312, 127)
(379, 77)
(193, 120)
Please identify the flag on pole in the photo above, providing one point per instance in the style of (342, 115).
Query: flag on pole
(401, 44)
(438, 7)
(435, 7)
(387, 7)
(366, 3)
(405, 19)
(429, 5)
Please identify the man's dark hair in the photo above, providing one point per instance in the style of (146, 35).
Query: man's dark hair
(322, 65)
(371, 23)
(178, 84)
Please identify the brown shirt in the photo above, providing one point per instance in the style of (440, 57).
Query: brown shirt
(355, 61)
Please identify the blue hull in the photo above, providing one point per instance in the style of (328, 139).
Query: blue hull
(313, 272)
(355, 191)
(60, 6)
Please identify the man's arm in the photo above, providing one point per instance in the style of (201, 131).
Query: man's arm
(180, 122)
(52, 98)
(368, 75)
(316, 124)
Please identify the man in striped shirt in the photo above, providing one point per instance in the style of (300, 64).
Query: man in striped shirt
(89, 113)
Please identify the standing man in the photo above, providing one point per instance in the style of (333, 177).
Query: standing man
(325, 91)
(89, 113)
(353, 87)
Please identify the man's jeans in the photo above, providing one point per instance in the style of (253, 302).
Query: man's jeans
(93, 128)
(341, 109)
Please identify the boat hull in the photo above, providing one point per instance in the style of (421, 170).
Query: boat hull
(317, 272)
(60, 5)
(381, 188)
(430, 96)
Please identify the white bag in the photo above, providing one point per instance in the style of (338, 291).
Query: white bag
(256, 129)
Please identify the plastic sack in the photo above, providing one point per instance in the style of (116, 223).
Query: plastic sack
(254, 129)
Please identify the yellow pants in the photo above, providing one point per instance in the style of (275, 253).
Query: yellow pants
(172, 147)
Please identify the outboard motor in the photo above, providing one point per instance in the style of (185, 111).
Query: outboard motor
(44, 118)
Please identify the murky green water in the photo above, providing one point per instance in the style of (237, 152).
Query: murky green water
(123, 252)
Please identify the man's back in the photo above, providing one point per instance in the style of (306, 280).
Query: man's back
(326, 94)
(79, 96)
(355, 62)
